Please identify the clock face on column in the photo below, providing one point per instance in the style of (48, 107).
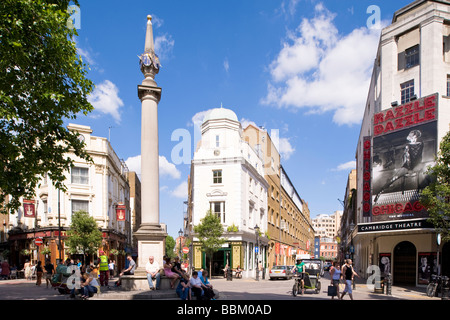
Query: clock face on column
(149, 58)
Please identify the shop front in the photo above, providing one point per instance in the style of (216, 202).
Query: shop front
(242, 254)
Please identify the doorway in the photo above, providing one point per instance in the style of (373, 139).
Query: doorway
(219, 260)
(405, 264)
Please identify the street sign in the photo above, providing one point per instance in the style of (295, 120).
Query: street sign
(256, 249)
(185, 250)
(38, 241)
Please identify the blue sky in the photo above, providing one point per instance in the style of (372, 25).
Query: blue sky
(301, 67)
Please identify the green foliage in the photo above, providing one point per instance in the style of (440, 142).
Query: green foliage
(209, 233)
(84, 234)
(170, 245)
(232, 228)
(42, 83)
(436, 197)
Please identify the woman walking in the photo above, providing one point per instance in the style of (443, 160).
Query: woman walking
(335, 274)
(39, 273)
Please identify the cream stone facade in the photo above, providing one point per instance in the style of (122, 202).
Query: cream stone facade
(227, 177)
(409, 91)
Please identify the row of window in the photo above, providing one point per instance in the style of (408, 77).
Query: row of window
(407, 90)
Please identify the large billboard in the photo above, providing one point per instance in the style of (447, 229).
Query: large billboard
(404, 146)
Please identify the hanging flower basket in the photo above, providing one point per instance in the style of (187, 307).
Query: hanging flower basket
(46, 251)
(25, 252)
(114, 252)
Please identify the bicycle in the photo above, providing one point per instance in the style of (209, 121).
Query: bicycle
(434, 287)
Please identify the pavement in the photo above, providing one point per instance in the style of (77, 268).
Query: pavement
(238, 289)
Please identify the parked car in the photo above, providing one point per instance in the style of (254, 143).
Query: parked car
(327, 266)
(281, 272)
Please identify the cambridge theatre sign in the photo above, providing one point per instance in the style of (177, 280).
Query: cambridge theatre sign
(396, 158)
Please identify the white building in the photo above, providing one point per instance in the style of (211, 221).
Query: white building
(327, 226)
(99, 188)
(406, 116)
(227, 177)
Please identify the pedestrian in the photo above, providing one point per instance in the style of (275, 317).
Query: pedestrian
(111, 266)
(196, 285)
(39, 273)
(27, 270)
(49, 270)
(104, 269)
(5, 270)
(348, 274)
(89, 286)
(207, 287)
(335, 275)
(128, 271)
(183, 289)
(152, 268)
(169, 273)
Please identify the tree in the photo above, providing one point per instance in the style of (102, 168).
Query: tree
(435, 197)
(209, 233)
(84, 234)
(42, 83)
(170, 245)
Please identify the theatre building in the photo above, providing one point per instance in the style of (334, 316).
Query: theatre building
(407, 114)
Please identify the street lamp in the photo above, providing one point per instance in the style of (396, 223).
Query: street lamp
(257, 252)
(180, 233)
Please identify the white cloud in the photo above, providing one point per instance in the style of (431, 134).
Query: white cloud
(168, 169)
(283, 145)
(346, 166)
(322, 71)
(164, 46)
(105, 98)
(226, 65)
(165, 167)
(181, 191)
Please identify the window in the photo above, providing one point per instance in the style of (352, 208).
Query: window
(407, 91)
(218, 208)
(412, 56)
(217, 176)
(448, 85)
(217, 141)
(80, 175)
(78, 205)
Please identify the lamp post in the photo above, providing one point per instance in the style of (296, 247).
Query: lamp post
(257, 252)
(180, 233)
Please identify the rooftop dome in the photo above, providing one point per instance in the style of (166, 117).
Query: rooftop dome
(220, 113)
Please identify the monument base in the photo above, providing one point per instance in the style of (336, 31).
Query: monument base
(151, 240)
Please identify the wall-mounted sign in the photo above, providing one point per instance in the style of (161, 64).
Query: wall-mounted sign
(404, 146)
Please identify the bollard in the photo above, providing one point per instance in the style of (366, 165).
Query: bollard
(229, 275)
(388, 284)
(444, 288)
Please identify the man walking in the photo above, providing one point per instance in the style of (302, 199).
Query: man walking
(348, 274)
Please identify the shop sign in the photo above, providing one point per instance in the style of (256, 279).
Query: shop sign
(120, 212)
(400, 225)
(404, 144)
(29, 209)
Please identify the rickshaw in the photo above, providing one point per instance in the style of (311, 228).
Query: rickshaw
(311, 279)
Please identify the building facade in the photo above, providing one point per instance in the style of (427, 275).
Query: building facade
(406, 116)
(99, 188)
(227, 178)
(289, 227)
